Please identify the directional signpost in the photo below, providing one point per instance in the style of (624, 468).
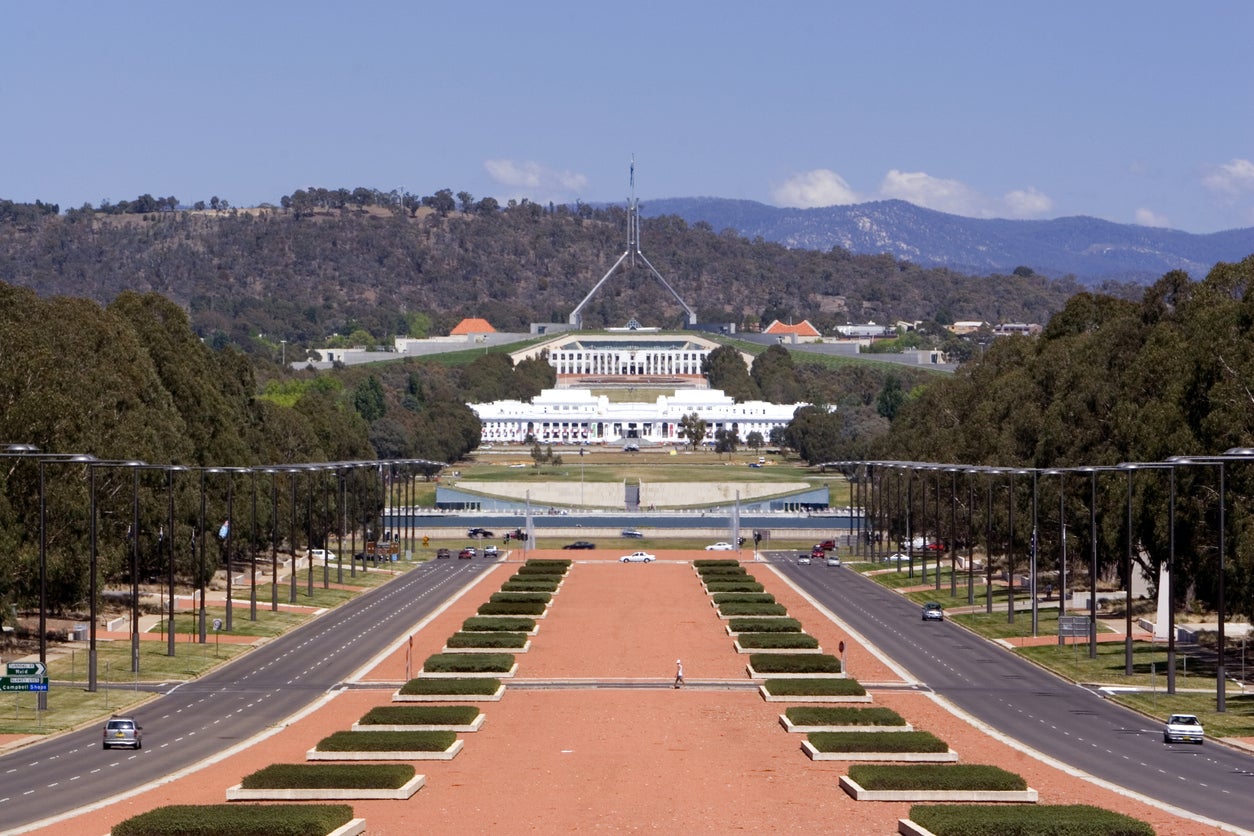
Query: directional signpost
(24, 676)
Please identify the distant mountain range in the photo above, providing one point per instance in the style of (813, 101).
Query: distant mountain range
(1092, 250)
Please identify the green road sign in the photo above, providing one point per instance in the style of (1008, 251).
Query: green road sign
(23, 683)
(26, 669)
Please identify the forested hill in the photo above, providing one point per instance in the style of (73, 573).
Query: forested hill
(303, 272)
(1089, 248)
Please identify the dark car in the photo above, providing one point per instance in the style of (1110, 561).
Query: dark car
(580, 544)
(122, 731)
(466, 553)
(479, 532)
(631, 532)
(442, 554)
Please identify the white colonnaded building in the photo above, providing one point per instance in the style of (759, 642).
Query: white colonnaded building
(577, 416)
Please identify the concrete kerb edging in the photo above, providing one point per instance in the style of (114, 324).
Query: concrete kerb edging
(257, 738)
(1002, 738)
(859, 793)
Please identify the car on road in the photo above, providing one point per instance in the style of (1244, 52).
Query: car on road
(818, 552)
(580, 544)
(755, 464)
(803, 559)
(122, 731)
(1183, 728)
(466, 553)
(898, 558)
(932, 611)
(442, 554)
(833, 560)
(637, 557)
(827, 545)
(490, 551)
(720, 547)
(479, 532)
(631, 447)
(632, 532)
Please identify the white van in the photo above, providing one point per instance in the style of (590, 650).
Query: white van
(322, 555)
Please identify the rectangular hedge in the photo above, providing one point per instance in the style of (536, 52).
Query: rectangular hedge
(716, 563)
(843, 715)
(1026, 820)
(734, 586)
(794, 663)
(499, 625)
(452, 687)
(752, 609)
(481, 639)
(898, 742)
(469, 663)
(709, 572)
(530, 597)
(420, 715)
(353, 776)
(743, 598)
(814, 688)
(499, 608)
(936, 776)
(393, 741)
(544, 567)
(237, 820)
(764, 625)
(778, 641)
(528, 585)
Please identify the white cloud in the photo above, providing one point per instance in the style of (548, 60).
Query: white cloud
(534, 181)
(1026, 203)
(930, 192)
(1232, 179)
(811, 189)
(1148, 217)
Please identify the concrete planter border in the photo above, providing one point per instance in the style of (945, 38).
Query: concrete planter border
(887, 757)
(755, 675)
(471, 727)
(425, 674)
(789, 727)
(740, 649)
(766, 695)
(446, 755)
(352, 828)
(493, 697)
(856, 791)
(447, 649)
(238, 793)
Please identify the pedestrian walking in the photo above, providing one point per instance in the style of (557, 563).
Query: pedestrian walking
(679, 673)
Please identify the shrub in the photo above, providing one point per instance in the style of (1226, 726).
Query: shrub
(544, 567)
(282, 776)
(909, 741)
(237, 820)
(469, 663)
(452, 687)
(481, 639)
(794, 663)
(743, 598)
(499, 625)
(528, 585)
(936, 776)
(734, 586)
(814, 688)
(843, 715)
(709, 572)
(520, 598)
(752, 609)
(778, 641)
(716, 563)
(420, 715)
(499, 608)
(1026, 820)
(374, 741)
(764, 625)
(561, 563)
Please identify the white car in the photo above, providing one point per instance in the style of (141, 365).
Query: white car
(1183, 728)
(490, 551)
(720, 547)
(833, 560)
(637, 557)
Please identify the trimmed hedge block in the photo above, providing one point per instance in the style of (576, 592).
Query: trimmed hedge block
(456, 717)
(742, 598)
(469, 663)
(794, 663)
(512, 608)
(234, 820)
(713, 587)
(778, 641)
(328, 776)
(734, 610)
(1051, 819)
(502, 625)
(763, 625)
(487, 640)
(808, 718)
(407, 741)
(931, 776)
(450, 688)
(905, 742)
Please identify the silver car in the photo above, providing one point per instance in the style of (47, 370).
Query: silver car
(123, 731)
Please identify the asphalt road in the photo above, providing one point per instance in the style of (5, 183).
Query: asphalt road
(1068, 722)
(195, 720)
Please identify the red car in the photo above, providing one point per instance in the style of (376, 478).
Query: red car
(466, 553)
(818, 552)
(827, 545)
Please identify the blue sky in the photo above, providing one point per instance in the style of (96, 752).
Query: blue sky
(1136, 112)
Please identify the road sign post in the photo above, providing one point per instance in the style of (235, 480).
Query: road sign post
(24, 676)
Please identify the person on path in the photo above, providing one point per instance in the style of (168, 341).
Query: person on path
(679, 673)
